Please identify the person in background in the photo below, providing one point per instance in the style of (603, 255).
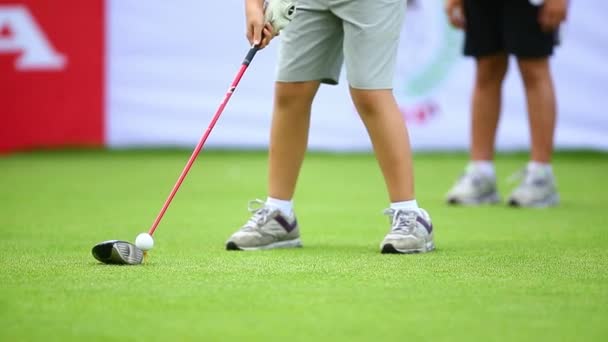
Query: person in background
(494, 30)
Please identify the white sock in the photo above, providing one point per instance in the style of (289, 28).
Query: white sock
(406, 205)
(484, 166)
(286, 207)
(534, 166)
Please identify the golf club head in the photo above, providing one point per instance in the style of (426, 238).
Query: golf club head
(118, 252)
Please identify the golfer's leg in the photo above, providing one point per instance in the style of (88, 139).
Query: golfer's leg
(371, 39)
(289, 135)
(310, 53)
(486, 103)
(540, 95)
(386, 127)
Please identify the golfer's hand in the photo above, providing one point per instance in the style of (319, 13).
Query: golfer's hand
(454, 9)
(552, 14)
(258, 33)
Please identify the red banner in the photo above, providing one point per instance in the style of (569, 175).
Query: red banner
(51, 73)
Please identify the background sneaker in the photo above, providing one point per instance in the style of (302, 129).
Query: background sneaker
(473, 188)
(537, 189)
(266, 229)
(411, 232)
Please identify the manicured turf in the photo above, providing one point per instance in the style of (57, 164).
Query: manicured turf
(498, 273)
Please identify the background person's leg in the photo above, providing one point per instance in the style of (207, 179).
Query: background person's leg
(540, 95)
(538, 188)
(486, 105)
(533, 46)
(478, 185)
(525, 38)
(484, 41)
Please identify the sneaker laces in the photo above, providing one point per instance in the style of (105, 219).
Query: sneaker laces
(401, 220)
(261, 214)
(525, 177)
(470, 176)
(518, 176)
(466, 176)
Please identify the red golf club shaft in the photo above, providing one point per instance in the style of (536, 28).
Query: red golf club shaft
(201, 143)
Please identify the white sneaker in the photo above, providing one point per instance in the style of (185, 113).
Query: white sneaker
(411, 232)
(537, 189)
(267, 228)
(473, 188)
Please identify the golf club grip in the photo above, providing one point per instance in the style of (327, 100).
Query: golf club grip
(201, 143)
(254, 49)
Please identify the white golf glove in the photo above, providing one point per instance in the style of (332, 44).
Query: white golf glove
(279, 13)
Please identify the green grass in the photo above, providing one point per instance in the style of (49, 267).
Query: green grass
(498, 273)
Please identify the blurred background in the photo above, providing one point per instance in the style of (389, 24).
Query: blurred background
(123, 82)
(126, 73)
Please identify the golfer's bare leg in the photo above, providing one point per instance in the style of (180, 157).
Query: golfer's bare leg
(388, 133)
(289, 135)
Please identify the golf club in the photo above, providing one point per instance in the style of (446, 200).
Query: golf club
(201, 143)
(118, 253)
(122, 252)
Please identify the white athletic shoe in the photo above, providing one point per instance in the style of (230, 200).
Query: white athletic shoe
(473, 188)
(411, 232)
(267, 228)
(537, 189)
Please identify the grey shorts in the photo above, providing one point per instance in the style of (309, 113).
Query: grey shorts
(362, 34)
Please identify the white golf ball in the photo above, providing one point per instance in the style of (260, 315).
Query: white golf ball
(144, 241)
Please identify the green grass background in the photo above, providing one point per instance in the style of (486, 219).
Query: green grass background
(499, 274)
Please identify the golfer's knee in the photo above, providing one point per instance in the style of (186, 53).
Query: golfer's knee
(294, 94)
(369, 102)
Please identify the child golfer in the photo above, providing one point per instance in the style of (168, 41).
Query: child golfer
(323, 35)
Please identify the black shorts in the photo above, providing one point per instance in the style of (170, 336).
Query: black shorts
(510, 26)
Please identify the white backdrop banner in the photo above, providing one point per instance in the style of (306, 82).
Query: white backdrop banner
(170, 63)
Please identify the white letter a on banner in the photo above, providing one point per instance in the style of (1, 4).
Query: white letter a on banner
(27, 38)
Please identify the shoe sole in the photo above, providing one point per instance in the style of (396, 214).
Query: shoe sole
(492, 198)
(295, 243)
(551, 201)
(390, 249)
